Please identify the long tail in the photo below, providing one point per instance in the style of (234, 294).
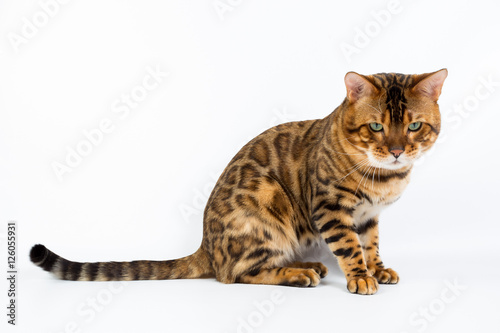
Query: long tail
(194, 266)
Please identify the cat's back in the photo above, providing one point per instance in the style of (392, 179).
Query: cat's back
(281, 143)
(275, 160)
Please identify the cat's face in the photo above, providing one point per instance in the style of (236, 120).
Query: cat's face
(392, 119)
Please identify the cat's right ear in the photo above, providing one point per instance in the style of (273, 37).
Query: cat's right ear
(358, 86)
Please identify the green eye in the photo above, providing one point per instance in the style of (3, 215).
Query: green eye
(415, 126)
(376, 127)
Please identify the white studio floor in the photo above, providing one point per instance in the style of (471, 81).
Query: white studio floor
(448, 284)
(437, 293)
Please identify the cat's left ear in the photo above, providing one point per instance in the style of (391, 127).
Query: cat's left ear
(430, 84)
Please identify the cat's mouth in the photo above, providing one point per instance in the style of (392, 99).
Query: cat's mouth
(396, 164)
(389, 163)
(393, 164)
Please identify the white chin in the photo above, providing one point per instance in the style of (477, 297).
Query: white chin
(395, 165)
(390, 164)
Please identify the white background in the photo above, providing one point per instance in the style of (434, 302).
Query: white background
(139, 193)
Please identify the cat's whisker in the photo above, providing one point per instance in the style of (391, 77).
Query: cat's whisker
(366, 162)
(379, 106)
(355, 165)
(359, 164)
(373, 178)
(349, 154)
(352, 144)
(343, 178)
(374, 108)
(352, 136)
(337, 152)
(368, 175)
(364, 174)
(359, 184)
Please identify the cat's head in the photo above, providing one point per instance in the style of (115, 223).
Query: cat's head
(392, 118)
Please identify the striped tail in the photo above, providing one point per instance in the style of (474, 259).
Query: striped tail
(194, 266)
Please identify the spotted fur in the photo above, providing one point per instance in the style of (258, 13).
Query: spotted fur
(298, 184)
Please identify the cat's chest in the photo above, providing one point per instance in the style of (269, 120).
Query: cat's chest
(370, 208)
(367, 210)
(377, 202)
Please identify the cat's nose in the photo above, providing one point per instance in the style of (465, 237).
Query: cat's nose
(396, 151)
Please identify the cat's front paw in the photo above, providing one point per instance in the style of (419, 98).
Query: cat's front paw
(303, 278)
(386, 276)
(366, 285)
(317, 266)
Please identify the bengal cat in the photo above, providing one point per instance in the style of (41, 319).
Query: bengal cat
(301, 183)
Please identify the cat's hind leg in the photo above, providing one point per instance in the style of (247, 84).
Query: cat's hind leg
(285, 276)
(317, 266)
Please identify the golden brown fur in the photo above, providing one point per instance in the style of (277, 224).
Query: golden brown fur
(300, 183)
